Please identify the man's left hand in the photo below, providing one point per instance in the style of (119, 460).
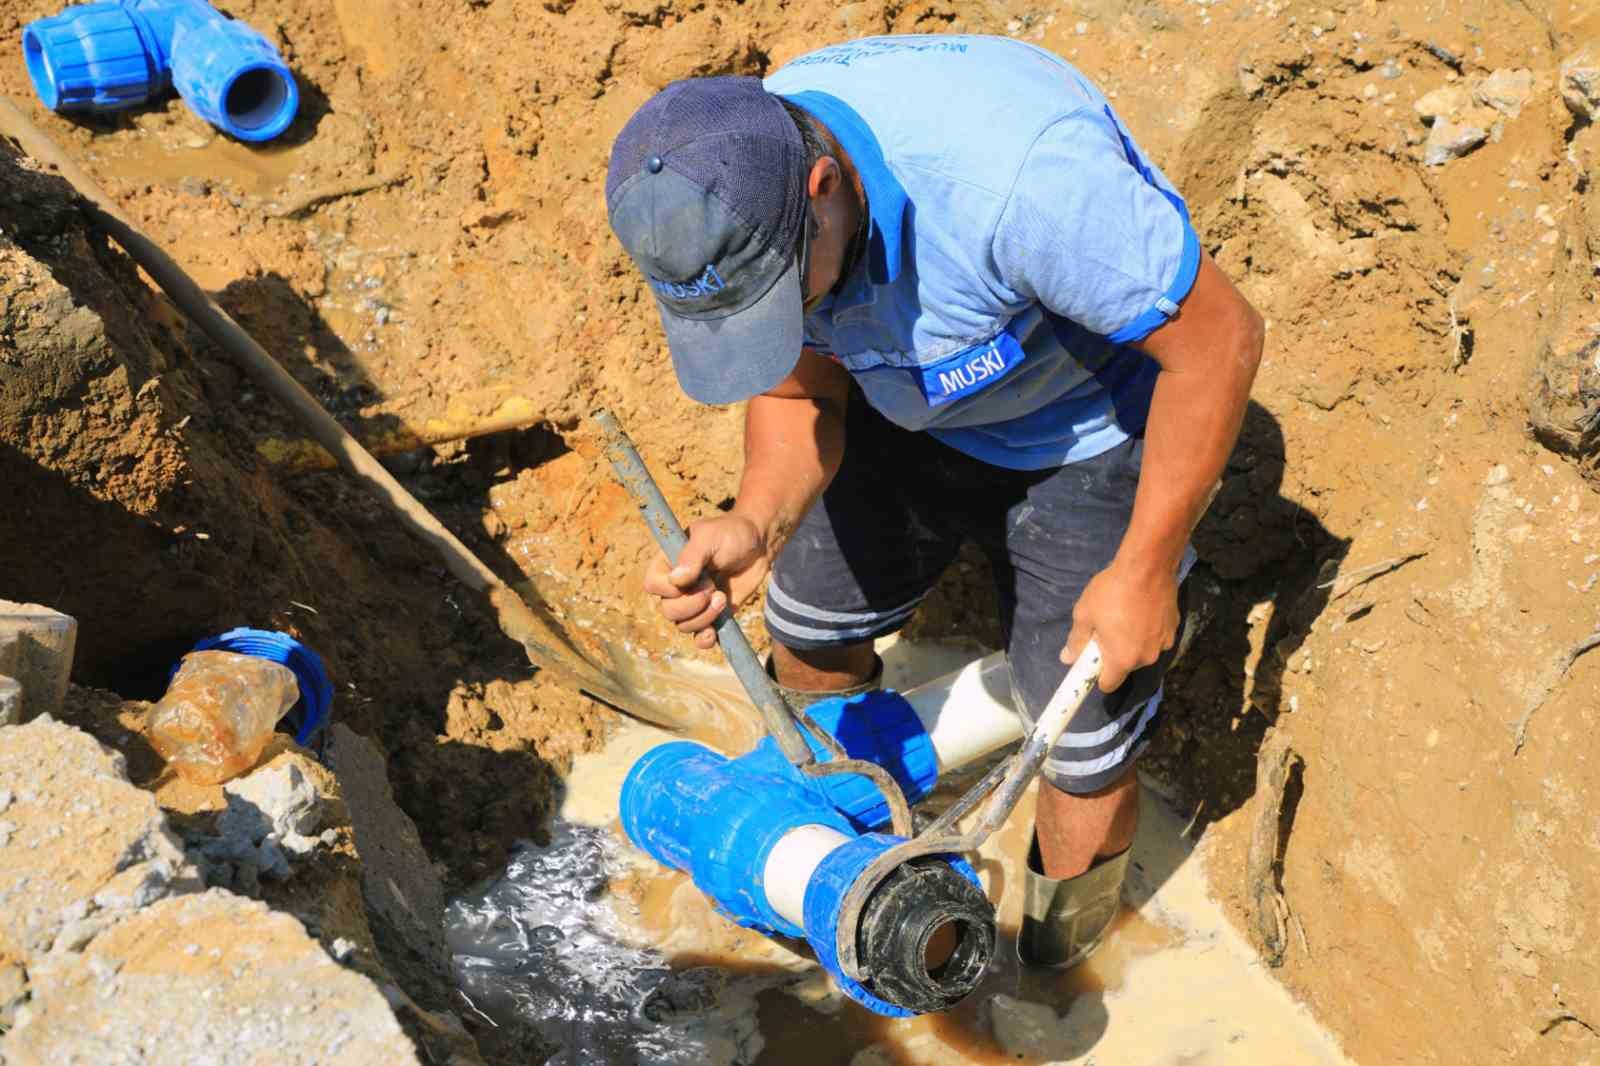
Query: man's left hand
(1133, 616)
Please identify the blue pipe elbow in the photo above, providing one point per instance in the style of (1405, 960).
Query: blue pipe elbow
(120, 53)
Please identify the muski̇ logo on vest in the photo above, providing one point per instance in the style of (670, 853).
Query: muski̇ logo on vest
(967, 371)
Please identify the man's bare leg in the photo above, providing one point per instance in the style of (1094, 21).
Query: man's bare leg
(1074, 830)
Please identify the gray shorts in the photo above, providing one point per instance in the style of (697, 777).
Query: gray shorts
(895, 517)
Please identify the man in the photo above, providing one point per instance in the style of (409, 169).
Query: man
(961, 304)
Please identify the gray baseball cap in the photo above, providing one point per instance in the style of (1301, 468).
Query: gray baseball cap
(707, 192)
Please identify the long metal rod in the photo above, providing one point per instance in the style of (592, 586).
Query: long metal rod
(636, 479)
(545, 646)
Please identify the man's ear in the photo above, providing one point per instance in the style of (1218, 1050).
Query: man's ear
(824, 177)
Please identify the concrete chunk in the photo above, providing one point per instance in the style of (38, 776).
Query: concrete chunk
(203, 978)
(36, 646)
(83, 846)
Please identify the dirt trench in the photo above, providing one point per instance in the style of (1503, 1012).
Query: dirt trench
(1404, 546)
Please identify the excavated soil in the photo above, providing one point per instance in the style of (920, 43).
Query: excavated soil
(1403, 554)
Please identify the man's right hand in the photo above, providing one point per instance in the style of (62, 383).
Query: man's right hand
(726, 557)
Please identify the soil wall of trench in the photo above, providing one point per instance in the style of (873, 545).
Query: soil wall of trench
(1404, 547)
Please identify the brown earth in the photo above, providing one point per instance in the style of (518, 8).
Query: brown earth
(1428, 395)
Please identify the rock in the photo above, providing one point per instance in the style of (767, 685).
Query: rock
(399, 882)
(1564, 402)
(59, 888)
(1031, 1030)
(1580, 86)
(1250, 83)
(1506, 90)
(1449, 140)
(272, 814)
(10, 701)
(203, 978)
(1443, 102)
(36, 646)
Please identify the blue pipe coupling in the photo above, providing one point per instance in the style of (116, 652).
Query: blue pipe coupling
(120, 53)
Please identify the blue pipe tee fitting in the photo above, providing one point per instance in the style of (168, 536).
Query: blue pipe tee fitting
(880, 727)
(120, 53)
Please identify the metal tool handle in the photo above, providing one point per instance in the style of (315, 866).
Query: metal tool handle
(669, 534)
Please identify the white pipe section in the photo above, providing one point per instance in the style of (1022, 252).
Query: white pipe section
(968, 712)
(791, 864)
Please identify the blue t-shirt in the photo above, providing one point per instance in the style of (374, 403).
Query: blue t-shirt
(1019, 241)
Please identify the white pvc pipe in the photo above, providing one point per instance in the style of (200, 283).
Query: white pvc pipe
(968, 712)
(790, 864)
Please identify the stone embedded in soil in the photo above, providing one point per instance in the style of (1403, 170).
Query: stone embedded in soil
(1580, 86)
(1449, 139)
(203, 978)
(1506, 90)
(85, 846)
(1025, 1029)
(1443, 102)
(10, 701)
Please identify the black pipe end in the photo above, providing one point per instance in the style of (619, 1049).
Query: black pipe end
(906, 926)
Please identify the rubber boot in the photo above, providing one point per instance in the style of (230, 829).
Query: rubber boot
(799, 701)
(1064, 921)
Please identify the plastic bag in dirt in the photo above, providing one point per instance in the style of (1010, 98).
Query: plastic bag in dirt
(540, 947)
(219, 712)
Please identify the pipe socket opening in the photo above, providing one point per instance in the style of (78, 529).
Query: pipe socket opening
(39, 72)
(926, 937)
(257, 98)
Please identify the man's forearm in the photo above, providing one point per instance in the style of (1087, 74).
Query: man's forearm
(792, 447)
(1193, 424)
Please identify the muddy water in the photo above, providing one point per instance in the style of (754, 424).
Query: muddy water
(254, 171)
(619, 961)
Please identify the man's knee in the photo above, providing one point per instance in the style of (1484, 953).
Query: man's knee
(824, 669)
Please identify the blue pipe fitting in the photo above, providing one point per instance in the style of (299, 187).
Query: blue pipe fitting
(825, 895)
(718, 819)
(120, 53)
(316, 691)
(880, 727)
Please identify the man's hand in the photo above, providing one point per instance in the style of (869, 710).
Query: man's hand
(1133, 616)
(725, 557)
